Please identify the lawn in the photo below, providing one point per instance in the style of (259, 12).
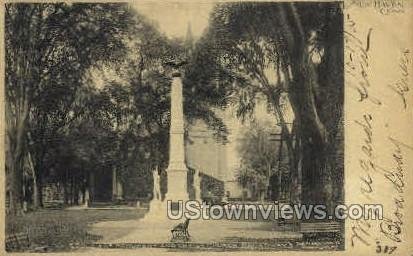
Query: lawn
(64, 230)
(54, 230)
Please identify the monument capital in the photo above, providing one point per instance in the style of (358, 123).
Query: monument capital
(174, 66)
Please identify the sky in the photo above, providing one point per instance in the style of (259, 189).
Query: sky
(173, 17)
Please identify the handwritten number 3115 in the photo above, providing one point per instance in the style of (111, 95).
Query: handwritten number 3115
(385, 249)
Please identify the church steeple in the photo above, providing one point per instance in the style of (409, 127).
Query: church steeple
(189, 40)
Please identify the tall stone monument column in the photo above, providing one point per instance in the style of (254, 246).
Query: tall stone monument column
(177, 170)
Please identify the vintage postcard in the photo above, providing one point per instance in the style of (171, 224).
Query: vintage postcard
(198, 127)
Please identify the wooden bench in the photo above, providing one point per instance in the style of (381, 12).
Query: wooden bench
(17, 242)
(313, 230)
(180, 231)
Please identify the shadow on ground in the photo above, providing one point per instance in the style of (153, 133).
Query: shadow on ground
(67, 229)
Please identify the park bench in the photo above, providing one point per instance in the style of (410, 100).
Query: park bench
(17, 242)
(314, 230)
(180, 231)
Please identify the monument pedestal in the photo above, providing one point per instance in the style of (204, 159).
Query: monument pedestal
(177, 185)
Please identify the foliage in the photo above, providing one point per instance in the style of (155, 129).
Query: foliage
(86, 92)
(257, 150)
(273, 49)
(259, 156)
(49, 49)
(246, 177)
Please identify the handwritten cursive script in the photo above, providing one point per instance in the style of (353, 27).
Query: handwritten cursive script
(357, 69)
(392, 226)
(357, 62)
(401, 86)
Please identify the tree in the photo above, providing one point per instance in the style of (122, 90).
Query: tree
(265, 48)
(49, 47)
(144, 113)
(246, 177)
(259, 155)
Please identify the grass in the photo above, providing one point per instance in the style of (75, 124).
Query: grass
(63, 230)
(68, 230)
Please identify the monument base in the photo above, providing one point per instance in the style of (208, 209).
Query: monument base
(177, 186)
(157, 212)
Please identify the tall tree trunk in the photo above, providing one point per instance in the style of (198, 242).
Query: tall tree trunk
(76, 190)
(36, 164)
(16, 159)
(15, 192)
(66, 188)
(37, 181)
(65, 193)
(294, 151)
(38, 192)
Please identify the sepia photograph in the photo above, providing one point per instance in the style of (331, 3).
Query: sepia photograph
(177, 126)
